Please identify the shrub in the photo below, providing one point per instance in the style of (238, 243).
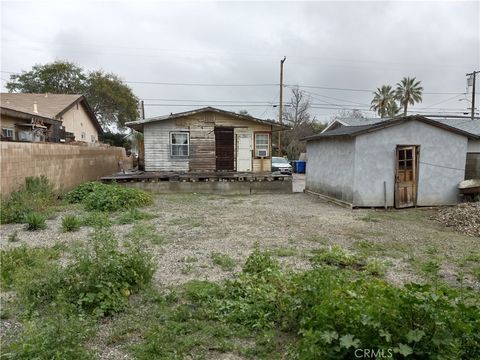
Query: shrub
(105, 197)
(70, 223)
(99, 280)
(375, 267)
(35, 196)
(35, 221)
(260, 263)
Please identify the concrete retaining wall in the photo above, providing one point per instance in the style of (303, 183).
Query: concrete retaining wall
(215, 187)
(65, 166)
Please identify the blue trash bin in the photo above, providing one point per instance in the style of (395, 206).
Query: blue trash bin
(301, 165)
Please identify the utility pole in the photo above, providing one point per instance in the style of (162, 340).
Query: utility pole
(472, 76)
(280, 111)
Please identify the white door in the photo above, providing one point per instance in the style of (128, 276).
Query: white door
(244, 152)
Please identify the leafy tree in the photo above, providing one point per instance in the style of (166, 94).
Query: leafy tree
(116, 139)
(384, 101)
(298, 117)
(408, 92)
(244, 112)
(349, 114)
(112, 101)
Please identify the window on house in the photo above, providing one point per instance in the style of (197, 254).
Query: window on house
(262, 145)
(179, 143)
(8, 133)
(84, 135)
(92, 138)
(405, 159)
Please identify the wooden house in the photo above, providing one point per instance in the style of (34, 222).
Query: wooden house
(207, 140)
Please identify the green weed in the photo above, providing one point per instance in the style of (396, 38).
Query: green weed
(222, 260)
(70, 223)
(35, 221)
(132, 215)
(13, 237)
(147, 233)
(97, 219)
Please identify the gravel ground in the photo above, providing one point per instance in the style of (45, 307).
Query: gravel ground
(290, 225)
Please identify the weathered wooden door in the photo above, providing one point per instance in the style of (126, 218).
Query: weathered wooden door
(224, 149)
(406, 177)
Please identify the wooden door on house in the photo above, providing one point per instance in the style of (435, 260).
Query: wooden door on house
(224, 148)
(406, 176)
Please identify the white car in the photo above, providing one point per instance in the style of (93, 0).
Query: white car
(281, 165)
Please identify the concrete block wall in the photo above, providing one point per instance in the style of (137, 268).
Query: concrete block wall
(66, 166)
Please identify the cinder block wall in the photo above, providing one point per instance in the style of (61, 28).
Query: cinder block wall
(65, 166)
(472, 169)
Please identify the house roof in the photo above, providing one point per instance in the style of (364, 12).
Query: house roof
(352, 131)
(352, 122)
(138, 125)
(51, 106)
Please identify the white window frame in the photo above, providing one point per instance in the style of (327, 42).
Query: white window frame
(6, 130)
(187, 144)
(262, 146)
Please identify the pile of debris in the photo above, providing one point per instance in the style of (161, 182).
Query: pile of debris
(464, 217)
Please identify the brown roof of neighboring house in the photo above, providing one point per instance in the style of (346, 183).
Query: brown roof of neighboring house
(51, 106)
(138, 125)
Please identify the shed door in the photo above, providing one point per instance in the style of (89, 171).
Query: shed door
(224, 150)
(406, 177)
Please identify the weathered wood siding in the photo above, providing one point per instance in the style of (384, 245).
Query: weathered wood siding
(157, 147)
(202, 142)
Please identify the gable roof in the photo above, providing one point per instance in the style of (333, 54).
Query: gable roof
(51, 106)
(352, 122)
(352, 131)
(138, 125)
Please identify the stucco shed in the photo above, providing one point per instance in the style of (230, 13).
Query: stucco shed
(403, 162)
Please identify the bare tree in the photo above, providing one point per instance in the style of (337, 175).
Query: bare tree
(297, 116)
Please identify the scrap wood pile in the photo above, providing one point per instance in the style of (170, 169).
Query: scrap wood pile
(464, 217)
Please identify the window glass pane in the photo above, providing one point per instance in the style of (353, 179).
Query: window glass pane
(179, 138)
(261, 139)
(408, 154)
(401, 154)
(409, 164)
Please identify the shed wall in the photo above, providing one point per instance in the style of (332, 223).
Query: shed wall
(77, 121)
(441, 164)
(330, 168)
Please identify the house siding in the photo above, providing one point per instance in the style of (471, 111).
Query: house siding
(201, 127)
(330, 168)
(157, 147)
(441, 164)
(77, 121)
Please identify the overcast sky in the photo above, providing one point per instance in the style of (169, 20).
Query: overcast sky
(342, 45)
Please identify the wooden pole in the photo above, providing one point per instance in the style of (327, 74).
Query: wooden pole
(280, 111)
(473, 75)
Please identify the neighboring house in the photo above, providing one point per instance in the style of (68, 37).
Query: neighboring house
(206, 139)
(47, 117)
(402, 162)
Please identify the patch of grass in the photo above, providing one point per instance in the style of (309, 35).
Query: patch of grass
(97, 219)
(370, 217)
(185, 222)
(13, 237)
(56, 337)
(36, 196)
(35, 221)
(336, 256)
(375, 267)
(318, 239)
(132, 215)
(367, 247)
(222, 260)
(190, 259)
(71, 223)
(23, 260)
(147, 233)
(283, 252)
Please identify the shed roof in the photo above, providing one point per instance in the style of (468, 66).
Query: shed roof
(352, 131)
(138, 125)
(51, 106)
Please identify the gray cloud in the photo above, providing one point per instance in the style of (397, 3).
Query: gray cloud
(359, 45)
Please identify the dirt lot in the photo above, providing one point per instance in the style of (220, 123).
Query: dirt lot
(291, 226)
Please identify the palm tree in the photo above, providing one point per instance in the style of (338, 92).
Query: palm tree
(383, 99)
(392, 109)
(409, 91)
